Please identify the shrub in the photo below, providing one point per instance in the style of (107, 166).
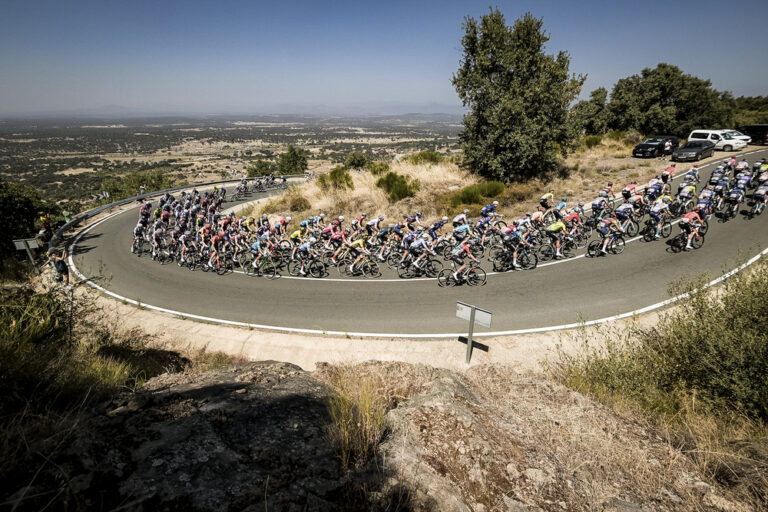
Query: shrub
(378, 168)
(398, 186)
(592, 140)
(425, 157)
(338, 178)
(632, 138)
(299, 204)
(477, 193)
(616, 135)
(355, 160)
(260, 168)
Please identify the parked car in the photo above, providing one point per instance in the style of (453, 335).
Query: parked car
(738, 135)
(655, 146)
(758, 132)
(719, 138)
(693, 150)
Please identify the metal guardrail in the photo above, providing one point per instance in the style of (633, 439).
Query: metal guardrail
(91, 213)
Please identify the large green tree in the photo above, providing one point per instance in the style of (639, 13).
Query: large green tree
(293, 161)
(518, 98)
(592, 116)
(664, 100)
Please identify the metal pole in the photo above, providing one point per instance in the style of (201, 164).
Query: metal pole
(469, 336)
(29, 253)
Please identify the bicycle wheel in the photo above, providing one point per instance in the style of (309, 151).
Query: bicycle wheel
(269, 270)
(632, 228)
(406, 272)
(502, 263)
(445, 278)
(666, 229)
(495, 252)
(500, 224)
(594, 248)
(546, 252)
(317, 269)
(568, 249)
(477, 251)
(371, 269)
(527, 260)
(697, 242)
(433, 268)
(704, 228)
(617, 245)
(294, 267)
(342, 267)
(476, 277)
(393, 260)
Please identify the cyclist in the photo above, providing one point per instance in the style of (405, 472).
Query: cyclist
(606, 228)
(544, 202)
(357, 251)
(489, 210)
(743, 180)
(482, 226)
(759, 196)
(658, 210)
(461, 232)
(413, 219)
(735, 196)
(608, 189)
(359, 222)
(515, 235)
(555, 232)
(599, 204)
(687, 192)
(460, 218)
(689, 225)
(436, 229)
(722, 186)
(138, 232)
(668, 174)
(372, 226)
(458, 254)
(629, 190)
(258, 248)
(420, 248)
(559, 207)
(304, 253)
(383, 236)
(338, 240)
(624, 211)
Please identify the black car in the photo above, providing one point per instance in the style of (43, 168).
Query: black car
(693, 150)
(655, 146)
(758, 132)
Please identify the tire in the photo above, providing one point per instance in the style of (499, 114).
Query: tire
(568, 249)
(704, 228)
(495, 252)
(581, 241)
(269, 270)
(393, 260)
(405, 272)
(433, 268)
(617, 245)
(371, 269)
(476, 277)
(500, 224)
(656, 153)
(527, 260)
(696, 243)
(294, 266)
(593, 251)
(477, 251)
(546, 252)
(317, 269)
(632, 228)
(445, 278)
(728, 148)
(666, 229)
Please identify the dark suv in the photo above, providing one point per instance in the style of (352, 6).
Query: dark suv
(655, 146)
(758, 132)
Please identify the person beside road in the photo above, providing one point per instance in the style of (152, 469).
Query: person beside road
(59, 257)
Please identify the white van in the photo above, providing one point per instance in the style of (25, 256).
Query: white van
(720, 138)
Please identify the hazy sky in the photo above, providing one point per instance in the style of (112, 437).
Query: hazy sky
(253, 56)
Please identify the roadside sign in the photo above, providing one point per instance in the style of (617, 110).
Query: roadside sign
(482, 317)
(23, 244)
(475, 316)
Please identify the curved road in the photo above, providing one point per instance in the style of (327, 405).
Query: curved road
(571, 291)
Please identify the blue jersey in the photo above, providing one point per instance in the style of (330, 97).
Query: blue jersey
(488, 210)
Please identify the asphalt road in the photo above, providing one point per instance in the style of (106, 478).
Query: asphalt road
(572, 291)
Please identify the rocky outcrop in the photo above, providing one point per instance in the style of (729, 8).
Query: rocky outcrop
(253, 436)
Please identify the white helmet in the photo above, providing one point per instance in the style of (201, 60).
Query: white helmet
(341, 218)
(364, 214)
(312, 239)
(466, 211)
(445, 219)
(495, 203)
(288, 219)
(322, 215)
(425, 236)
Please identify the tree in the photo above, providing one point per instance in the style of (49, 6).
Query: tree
(260, 168)
(293, 161)
(592, 116)
(356, 160)
(21, 206)
(518, 97)
(664, 100)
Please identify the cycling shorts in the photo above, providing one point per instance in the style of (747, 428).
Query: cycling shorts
(655, 215)
(604, 231)
(458, 259)
(545, 204)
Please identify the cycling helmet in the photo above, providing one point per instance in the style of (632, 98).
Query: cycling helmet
(470, 221)
(264, 216)
(335, 223)
(445, 219)
(391, 226)
(425, 236)
(288, 219)
(363, 214)
(495, 203)
(420, 228)
(346, 231)
(466, 211)
(341, 218)
(381, 217)
(322, 215)
(265, 236)
(312, 239)
(515, 222)
(564, 199)
(528, 214)
(666, 200)
(418, 214)
(581, 203)
(610, 183)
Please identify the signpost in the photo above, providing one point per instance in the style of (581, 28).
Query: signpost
(25, 244)
(475, 315)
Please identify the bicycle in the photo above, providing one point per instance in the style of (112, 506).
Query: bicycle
(473, 275)
(430, 267)
(680, 241)
(615, 245)
(312, 267)
(649, 232)
(526, 259)
(265, 268)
